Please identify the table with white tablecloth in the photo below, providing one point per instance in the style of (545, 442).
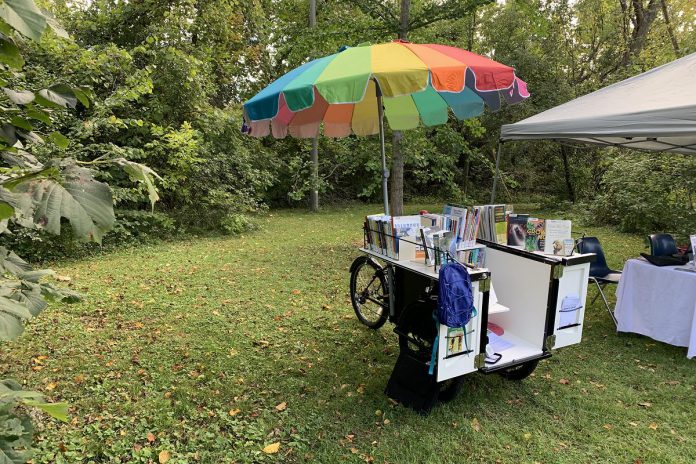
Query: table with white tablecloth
(659, 302)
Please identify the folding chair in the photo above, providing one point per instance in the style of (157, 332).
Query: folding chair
(662, 245)
(600, 273)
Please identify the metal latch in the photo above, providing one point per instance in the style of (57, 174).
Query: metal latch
(557, 271)
(485, 284)
(480, 360)
(550, 342)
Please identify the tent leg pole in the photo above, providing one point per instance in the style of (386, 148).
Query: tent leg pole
(385, 171)
(497, 172)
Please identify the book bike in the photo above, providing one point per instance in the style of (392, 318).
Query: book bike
(526, 304)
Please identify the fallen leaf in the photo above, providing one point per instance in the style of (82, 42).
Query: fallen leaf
(296, 292)
(51, 386)
(634, 424)
(564, 381)
(354, 450)
(62, 278)
(387, 422)
(282, 406)
(150, 437)
(164, 457)
(645, 404)
(653, 426)
(527, 436)
(475, 425)
(608, 426)
(234, 412)
(272, 448)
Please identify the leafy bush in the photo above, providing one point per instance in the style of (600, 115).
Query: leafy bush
(234, 224)
(649, 193)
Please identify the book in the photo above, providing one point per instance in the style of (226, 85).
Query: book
(535, 235)
(404, 228)
(500, 224)
(517, 230)
(556, 232)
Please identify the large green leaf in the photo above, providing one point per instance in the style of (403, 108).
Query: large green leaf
(12, 314)
(143, 174)
(23, 16)
(15, 430)
(60, 95)
(20, 97)
(22, 123)
(9, 54)
(59, 139)
(11, 263)
(35, 113)
(85, 202)
(8, 134)
(56, 410)
(54, 24)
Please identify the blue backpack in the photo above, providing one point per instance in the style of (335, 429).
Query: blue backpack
(455, 303)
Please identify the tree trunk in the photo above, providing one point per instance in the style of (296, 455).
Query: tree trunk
(396, 200)
(314, 192)
(670, 31)
(566, 171)
(642, 19)
(397, 171)
(465, 184)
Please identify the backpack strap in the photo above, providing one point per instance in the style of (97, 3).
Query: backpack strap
(436, 343)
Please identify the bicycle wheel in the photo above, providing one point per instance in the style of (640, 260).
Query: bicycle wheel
(369, 292)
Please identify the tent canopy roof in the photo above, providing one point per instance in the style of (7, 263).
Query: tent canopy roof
(655, 110)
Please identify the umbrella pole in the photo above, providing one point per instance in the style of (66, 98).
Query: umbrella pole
(385, 171)
(497, 172)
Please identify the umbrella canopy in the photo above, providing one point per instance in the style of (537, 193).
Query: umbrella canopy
(655, 110)
(418, 84)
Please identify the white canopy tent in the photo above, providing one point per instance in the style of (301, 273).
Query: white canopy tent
(653, 111)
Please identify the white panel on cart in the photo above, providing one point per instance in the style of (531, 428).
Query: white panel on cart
(465, 341)
(572, 288)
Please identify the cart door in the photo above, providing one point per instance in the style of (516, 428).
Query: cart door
(459, 346)
(570, 304)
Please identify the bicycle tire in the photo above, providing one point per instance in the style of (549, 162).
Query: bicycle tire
(366, 300)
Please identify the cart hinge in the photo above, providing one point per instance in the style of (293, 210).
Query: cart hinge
(550, 342)
(480, 360)
(485, 284)
(557, 271)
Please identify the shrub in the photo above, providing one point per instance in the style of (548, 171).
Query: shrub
(648, 193)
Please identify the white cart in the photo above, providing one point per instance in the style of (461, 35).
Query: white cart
(536, 303)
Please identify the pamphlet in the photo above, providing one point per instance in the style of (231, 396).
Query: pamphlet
(556, 232)
(455, 340)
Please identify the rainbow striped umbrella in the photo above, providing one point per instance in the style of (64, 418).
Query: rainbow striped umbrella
(351, 91)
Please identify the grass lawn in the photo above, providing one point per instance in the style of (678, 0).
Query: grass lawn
(209, 350)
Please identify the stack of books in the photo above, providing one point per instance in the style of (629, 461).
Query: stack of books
(493, 227)
(383, 233)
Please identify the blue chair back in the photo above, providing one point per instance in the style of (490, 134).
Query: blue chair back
(662, 245)
(598, 268)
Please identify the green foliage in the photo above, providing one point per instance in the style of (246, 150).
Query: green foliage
(39, 194)
(234, 224)
(187, 331)
(648, 194)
